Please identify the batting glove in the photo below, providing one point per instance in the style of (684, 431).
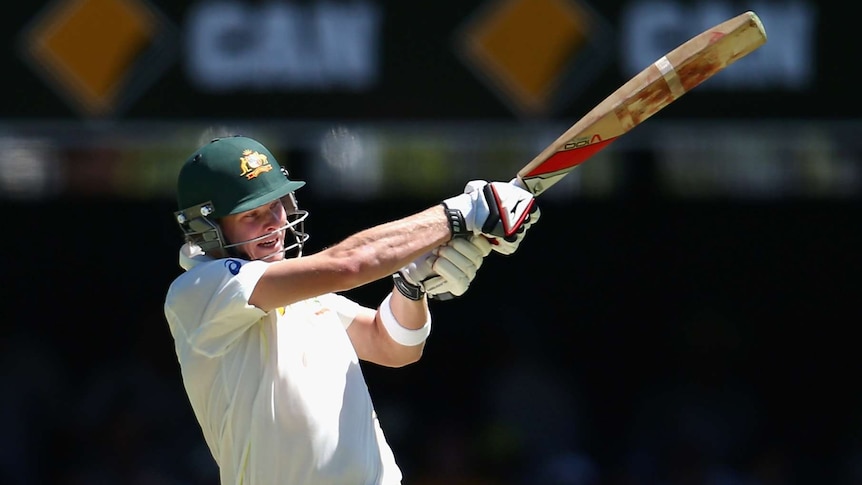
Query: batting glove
(507, 246)
(497, 209)
(444, 272)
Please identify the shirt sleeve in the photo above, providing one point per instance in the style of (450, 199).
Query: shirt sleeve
(345, 308)
(208, 305)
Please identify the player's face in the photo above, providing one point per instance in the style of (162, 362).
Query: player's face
(256, 223)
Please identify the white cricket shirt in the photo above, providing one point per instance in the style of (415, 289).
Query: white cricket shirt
(280, 396)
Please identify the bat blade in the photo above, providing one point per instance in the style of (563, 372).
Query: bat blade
(642, 96)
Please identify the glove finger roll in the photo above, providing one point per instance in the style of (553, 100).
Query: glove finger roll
(452, 260)
(455, 285)
(483, 244)
(452, 272)
(471, 248)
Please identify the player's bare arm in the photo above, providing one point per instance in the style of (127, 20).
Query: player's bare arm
(366, 256)
(373, 342)
(497, 210)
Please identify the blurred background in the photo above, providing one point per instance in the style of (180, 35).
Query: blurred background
(684, 314)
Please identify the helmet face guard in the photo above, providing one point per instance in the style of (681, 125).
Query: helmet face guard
(205, 232)
(294, 230)
(229, 176)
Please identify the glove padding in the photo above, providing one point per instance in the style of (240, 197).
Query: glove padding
(507, 246)
(447, 270)
(496, 209)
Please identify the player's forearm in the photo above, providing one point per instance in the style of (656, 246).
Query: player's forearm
(406, 325)
(378, 252)
(411, 314)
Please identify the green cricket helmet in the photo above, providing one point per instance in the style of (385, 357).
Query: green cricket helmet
(231, 175)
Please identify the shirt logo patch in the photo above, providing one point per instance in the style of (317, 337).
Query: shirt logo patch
(233, 266)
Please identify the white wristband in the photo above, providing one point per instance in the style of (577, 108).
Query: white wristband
(404, 336)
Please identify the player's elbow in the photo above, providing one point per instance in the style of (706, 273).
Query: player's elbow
(405, 361)
(401, 355)
(413, 356)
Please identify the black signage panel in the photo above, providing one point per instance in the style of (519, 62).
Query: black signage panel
(392, 60)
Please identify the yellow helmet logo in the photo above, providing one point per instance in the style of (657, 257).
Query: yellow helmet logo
(253, 164)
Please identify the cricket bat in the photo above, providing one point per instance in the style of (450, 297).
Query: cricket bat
(642, 96)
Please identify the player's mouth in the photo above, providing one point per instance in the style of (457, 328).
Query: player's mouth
(270, 243)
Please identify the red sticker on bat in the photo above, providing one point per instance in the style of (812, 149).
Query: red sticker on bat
(564, 159)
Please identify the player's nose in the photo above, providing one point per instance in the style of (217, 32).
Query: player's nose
(273, 220)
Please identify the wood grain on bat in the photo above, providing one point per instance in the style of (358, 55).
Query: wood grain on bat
(642, 96)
